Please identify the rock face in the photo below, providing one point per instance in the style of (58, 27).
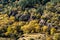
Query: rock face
(36, 36)
(33, 37)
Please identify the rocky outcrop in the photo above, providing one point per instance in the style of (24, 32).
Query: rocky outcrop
(33, 37)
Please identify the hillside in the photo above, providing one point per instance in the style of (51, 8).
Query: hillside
(38, 19)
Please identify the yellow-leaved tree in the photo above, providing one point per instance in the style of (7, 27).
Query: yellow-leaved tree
(45, 28)
(52, 30)
(33, 26)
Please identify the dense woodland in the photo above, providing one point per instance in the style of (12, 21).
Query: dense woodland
(18, 17)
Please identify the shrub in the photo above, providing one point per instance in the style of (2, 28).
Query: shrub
(52, 31)
(49, 38)
(56, 36)
(32, 39)
(45, 28)
(33, 26)
(25, 3)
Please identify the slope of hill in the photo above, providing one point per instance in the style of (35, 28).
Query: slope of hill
(29, 17)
